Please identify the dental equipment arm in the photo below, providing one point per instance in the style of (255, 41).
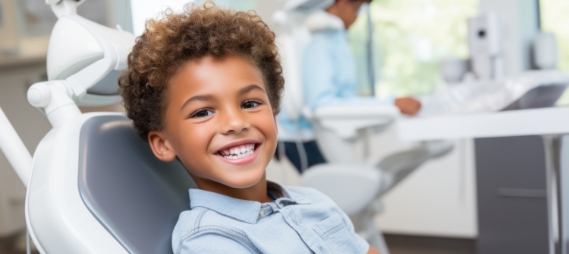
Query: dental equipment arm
(84, 58)
(83, 63)
(15, 150)
(10, 143)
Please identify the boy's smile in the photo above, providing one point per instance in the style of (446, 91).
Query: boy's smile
(239, 152)
(219, 122)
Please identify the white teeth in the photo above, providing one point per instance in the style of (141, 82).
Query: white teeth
(238, 152)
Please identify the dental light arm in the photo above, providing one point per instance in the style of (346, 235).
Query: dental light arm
(14, 149)
(83, 63)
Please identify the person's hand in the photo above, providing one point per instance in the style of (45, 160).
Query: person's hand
(408, 105)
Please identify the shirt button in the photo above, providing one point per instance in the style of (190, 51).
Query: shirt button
(293, 219)
(262, 213)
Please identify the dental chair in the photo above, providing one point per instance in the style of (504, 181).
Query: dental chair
(95, 186)
(352, 178)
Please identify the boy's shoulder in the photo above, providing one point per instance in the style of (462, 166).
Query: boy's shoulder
(219, 221)
(208, 228)
(312, 195)
(200, 217)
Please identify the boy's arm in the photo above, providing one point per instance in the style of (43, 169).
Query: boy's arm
(372, 251)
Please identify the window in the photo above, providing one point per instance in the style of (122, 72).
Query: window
(410, 38)
(554, 19)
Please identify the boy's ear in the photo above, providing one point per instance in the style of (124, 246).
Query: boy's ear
(160, 146)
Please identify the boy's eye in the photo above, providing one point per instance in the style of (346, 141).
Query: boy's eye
(202, 113)
(250, 104)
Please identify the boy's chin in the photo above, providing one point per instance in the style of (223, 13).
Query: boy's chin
(242, 182)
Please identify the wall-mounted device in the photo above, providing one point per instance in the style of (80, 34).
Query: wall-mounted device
(484, 44)
(545, 51)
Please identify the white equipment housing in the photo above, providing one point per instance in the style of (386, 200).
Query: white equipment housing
(485, 46)
(97, 188)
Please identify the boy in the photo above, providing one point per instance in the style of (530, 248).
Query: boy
(204, 87)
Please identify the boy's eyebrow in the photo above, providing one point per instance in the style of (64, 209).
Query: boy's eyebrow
(204, 97)
(249, 88)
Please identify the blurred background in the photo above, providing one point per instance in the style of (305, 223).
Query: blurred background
(432, 211)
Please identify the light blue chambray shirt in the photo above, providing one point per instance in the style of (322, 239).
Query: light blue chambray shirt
(329, 77)
(302, 221)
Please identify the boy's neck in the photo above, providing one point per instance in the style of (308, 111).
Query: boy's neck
(257, 192)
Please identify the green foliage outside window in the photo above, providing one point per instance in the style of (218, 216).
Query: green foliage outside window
(554, 19)
(411, 37)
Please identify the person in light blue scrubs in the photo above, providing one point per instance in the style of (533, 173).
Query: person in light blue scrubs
(329, 78)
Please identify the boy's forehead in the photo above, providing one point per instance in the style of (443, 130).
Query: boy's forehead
(216, 73)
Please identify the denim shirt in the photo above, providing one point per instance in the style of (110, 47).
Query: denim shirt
(302, 221)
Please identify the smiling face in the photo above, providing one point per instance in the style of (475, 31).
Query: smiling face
(218, 122)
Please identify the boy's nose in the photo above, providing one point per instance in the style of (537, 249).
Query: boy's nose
(234, 122)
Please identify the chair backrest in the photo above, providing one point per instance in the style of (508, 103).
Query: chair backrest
(136, 197)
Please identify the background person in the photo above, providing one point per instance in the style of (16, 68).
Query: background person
(329, 78)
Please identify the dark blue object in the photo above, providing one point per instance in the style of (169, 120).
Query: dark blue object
(313, 154)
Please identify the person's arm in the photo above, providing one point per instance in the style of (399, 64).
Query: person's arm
(408, 105)
(319, 68)
(372, 251)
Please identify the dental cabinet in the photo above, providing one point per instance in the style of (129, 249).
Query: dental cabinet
(552, 124)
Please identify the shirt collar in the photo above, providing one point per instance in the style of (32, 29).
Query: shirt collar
(243, 210)
(324, 21)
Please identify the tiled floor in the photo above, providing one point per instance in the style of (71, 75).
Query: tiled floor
(397, 245)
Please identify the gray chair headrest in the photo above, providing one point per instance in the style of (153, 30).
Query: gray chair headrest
(136, 197)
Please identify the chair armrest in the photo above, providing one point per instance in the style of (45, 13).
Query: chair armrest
(396, 167)
(347, 120)
(352, 187)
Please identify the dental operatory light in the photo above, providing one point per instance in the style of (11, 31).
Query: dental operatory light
(84, 61)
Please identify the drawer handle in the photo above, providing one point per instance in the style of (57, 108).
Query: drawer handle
(522, 193)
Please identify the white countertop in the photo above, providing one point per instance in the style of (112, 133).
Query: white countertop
(542, 121)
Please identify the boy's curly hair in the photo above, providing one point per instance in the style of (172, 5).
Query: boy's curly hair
(199, 31)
